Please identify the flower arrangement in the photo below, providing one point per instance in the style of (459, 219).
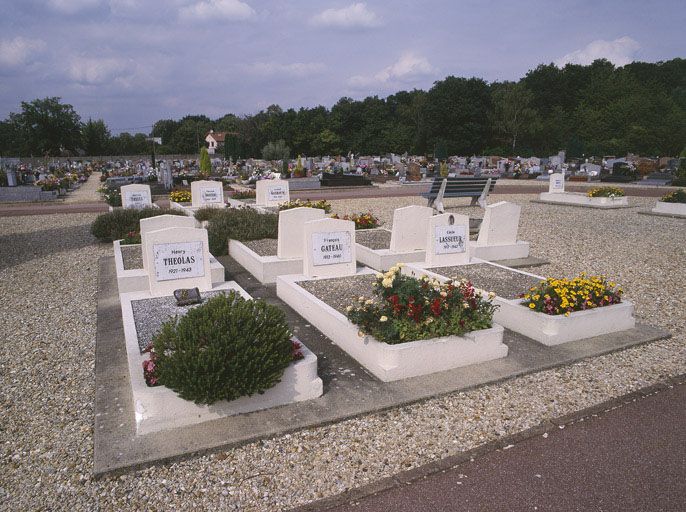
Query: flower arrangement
(605, 192)
(361, 220)
(564, 296)
(50, 182)
(132, 237)
(299, 203)
(180, 196)
(408, 309)
(112, 196)
(677, 196)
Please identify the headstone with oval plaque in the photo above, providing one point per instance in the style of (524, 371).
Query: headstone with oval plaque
(271, 192)
(177, 258)
(447, 240)
(329, 248)
(557, 183)
(136, 196)
(207, 193)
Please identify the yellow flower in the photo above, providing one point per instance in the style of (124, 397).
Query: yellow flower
(532, 305)
(567, 313)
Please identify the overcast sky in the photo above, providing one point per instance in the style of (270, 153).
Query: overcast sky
(132, 62)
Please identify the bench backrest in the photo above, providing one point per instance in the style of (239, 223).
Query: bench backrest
(458, 185)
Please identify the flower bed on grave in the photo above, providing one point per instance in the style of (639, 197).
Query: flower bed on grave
(322, 204)
(361, 220)
(412, 327)
(673, 203)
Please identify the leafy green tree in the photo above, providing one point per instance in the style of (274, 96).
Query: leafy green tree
(276, 150)
(205, 163)
(47, 127)
(96, 137)
(513, 116)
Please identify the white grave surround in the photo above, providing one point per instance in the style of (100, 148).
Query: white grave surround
(556, 195)
(549, 329)
(670, 209)
(497, 238)
(391, 362)
(408, 239)
(136, 196)
(329, 248)
(271, 192)
(290, 247)
(159, 408)
(133, 280)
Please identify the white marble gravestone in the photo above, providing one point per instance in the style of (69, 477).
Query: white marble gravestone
(136, 196)
(409, 228)
(557, 183)
(177, 258)
(271, 192)
(500, 224)
(164, 222)
(291, 232)
(207, 193)
(447, 240)
(329, 248)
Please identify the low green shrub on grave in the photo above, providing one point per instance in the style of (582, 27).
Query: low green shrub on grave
(206, 213)
(678, 196)
(117, 224)
(239, 224)
(225, 349)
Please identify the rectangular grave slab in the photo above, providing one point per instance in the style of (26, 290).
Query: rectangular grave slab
(447, 240)
(164, 222)
(264, 268)
(409, 228)
(207, 193)
(582, 200)
(557, 183)
(271, 192)
(136, 196)
(391, 362)
(159, 408)
(670, 209)
(546, 329)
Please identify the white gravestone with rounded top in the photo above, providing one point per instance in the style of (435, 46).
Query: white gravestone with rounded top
(557, 183)
(292, 230)
(500, 224)
(329, 248)
(409, 228)
(164, 222)
(271, 192)
(136, 196)
(207, 193)
(177, 258)
(447, 240)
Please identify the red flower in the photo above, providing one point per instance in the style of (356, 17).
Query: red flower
(436, 308)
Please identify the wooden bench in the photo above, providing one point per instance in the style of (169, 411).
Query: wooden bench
(459, 186)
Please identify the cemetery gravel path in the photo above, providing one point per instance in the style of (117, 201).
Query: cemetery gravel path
(48, 285)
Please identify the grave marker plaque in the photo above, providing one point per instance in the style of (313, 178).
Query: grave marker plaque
(136, 196)
(207, 193)
(271, 192)
(447, 240)
(557, 183)
(329, 248)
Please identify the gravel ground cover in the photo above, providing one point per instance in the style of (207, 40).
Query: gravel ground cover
(48, 284)
(341, 292)
(505, 284)
(150, 314)
(132, 256)
(375, 239)
(264, 247)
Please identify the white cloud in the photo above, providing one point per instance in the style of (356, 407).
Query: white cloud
(72, 6)
(620, 52)
(407, 68)
(296, 69)
(94, 71)
(18, 51)
(354, 16)
(217, 9)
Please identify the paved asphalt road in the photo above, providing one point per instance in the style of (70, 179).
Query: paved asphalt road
(632, 458)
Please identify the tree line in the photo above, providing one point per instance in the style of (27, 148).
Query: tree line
(597, 109)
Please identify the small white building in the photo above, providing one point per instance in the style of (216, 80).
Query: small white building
(214, 141)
